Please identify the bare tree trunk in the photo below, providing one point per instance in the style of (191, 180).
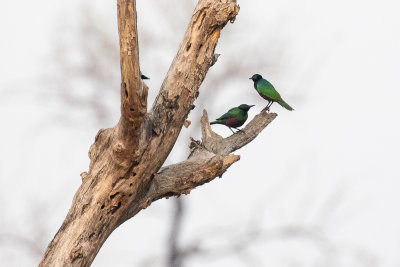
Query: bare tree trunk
(124, 175)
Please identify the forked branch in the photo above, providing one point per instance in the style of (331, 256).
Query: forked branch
(208, 159)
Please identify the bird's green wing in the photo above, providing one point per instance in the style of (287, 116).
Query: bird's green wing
(265, 88)
(231, 113)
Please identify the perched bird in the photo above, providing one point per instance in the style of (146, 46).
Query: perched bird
(143, 77)
(234, 118)
(267, 91)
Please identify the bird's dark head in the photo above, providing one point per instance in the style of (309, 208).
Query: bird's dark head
(245, 107)
(256, 77)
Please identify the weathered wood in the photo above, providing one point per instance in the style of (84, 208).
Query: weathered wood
(124, 175)
(132, 108)
(133, 93)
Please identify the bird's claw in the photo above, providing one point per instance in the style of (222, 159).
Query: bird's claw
(240, 130)
(266, 109)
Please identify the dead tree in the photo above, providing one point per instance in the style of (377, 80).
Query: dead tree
(125, 174)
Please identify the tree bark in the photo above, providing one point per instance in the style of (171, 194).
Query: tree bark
(124, 175)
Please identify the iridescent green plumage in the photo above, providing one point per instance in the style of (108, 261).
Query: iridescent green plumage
(267, 91)
(235, 117)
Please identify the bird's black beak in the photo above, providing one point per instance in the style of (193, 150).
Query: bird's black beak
(251, 106)
(251, 78)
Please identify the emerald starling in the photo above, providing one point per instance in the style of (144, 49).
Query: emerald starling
(267, 91)
(234, 118)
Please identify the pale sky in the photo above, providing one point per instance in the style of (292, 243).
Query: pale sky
(332, 164)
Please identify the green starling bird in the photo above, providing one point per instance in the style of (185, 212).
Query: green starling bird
(234, 118)
(267, 91)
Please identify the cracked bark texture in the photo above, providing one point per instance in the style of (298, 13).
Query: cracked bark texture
(124, 174)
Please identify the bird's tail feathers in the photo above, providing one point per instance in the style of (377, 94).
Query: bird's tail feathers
(214, 122)
(285, 105)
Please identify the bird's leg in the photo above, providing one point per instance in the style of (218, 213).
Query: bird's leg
(240, 130)
(231, 129)
(266, 108)
(268, 105)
